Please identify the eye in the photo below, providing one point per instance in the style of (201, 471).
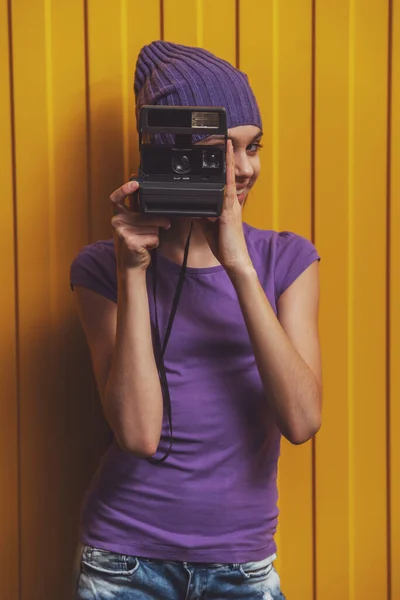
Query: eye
(254, 147)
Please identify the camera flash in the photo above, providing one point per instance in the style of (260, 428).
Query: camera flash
(209, 120)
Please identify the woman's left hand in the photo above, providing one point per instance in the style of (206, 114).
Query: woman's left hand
(225, 235)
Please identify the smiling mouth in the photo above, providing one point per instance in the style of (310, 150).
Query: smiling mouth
(240, 191)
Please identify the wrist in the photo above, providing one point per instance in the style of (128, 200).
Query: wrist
(241, 270)
(242, 276)
(130, 278)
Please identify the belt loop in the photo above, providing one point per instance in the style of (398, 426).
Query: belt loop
(189, 583)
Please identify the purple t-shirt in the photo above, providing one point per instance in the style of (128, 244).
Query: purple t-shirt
(215, 498)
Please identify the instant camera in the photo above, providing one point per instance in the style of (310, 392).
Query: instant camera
(178, 177)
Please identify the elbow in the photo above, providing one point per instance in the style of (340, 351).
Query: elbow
(301, 430)
(133, 436)
(142, 443)
(139, 448)
(300, 435)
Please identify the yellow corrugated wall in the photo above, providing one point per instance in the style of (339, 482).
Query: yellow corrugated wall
(327, 76)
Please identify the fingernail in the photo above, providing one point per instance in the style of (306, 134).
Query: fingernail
(133, 185)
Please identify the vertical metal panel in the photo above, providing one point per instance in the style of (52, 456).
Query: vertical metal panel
(216, 15)
(9, 468)
(181, 22)
(332, 232)
(74, 408)
(141, 25)
(39, 478)
(257, 53)
(293, 212)
(50, 131)
(105, 93)
(394, 322)
(367, 298)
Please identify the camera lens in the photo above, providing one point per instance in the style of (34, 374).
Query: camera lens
(181, 163)
(185, 162)
(211, 159)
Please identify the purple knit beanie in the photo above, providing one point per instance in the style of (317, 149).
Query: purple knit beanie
(173, 75)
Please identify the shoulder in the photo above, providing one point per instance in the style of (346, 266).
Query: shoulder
(284, 255)
(94, 267)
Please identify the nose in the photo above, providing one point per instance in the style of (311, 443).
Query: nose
(243, 167)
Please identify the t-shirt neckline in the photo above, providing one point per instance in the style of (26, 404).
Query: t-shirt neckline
(189, 270)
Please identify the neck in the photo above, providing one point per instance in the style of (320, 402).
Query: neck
(173, 242)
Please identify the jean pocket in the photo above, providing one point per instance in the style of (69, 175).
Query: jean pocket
(257, 570)
(110, 563)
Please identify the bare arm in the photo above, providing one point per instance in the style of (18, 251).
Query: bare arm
(133, 396)
(287, 349)
(119, 336)
(123, 363)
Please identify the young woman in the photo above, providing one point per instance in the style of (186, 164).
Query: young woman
(242, 366)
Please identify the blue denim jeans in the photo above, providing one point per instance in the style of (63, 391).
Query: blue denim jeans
(104, 575)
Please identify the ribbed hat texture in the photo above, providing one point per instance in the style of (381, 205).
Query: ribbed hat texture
(174, 75)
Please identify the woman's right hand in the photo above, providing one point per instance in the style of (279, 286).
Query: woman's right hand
(134, 234)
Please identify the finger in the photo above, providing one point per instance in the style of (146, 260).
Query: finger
(117, 198)
(134, 199)
(118, 209)
(127, 229)
(151, 242)
(156, 221)
(141, 221)
(230, 164)
(125, 190)
(230, 188)
(147, 241)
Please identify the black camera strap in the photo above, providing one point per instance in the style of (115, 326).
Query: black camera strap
(161, 347)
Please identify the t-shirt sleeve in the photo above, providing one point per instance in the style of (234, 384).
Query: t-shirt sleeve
(294, 254)
(95, 268)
